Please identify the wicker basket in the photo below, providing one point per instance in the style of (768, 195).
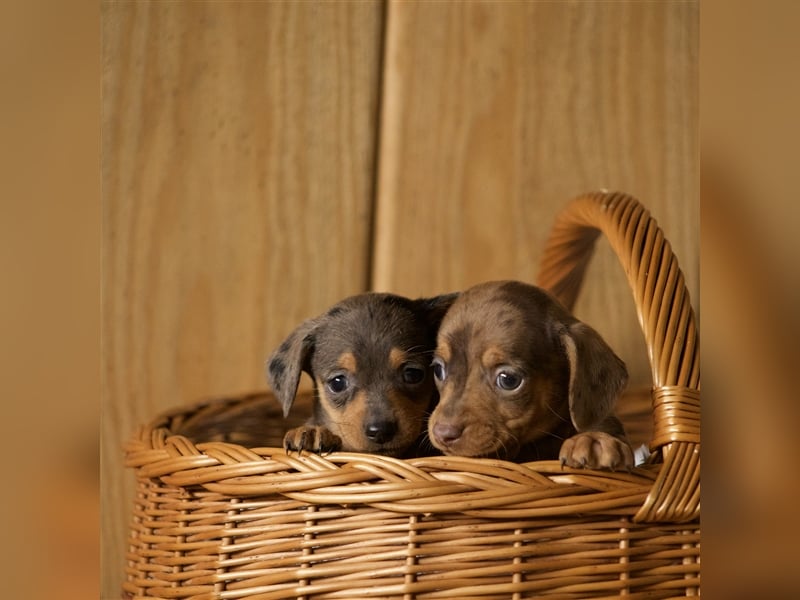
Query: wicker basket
(223, 513)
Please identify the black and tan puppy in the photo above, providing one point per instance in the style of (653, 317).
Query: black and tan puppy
(520, 378)
(369, 357)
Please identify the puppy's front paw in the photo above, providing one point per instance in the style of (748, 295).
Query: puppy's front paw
(311, 438)
(596, 450)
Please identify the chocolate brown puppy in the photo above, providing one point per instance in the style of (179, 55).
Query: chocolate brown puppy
(520, 378)
(369, 357)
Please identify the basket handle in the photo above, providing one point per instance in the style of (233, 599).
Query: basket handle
(667, 321)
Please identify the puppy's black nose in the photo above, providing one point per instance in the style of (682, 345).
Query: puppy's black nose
(447, 433)
(380, 431)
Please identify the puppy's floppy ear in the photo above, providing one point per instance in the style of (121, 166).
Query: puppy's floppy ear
(435, 308)
(596, 375)
(292, 357)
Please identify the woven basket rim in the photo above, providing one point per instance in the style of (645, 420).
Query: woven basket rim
(429, 485)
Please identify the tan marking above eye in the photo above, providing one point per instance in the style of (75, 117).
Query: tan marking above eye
(443, 351)
(347, 361)
(493, 356)
(396, 358)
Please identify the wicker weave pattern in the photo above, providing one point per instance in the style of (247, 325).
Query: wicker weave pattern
(223, 513)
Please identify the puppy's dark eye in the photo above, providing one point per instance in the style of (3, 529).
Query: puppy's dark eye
(508, 381)
(413, 374)
(439, 371)
(338, 384)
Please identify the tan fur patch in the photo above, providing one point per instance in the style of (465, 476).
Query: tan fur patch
(493, 356)
(347, 423)
(351, 423)
(443, 350)
(396, 358)
(348, 361)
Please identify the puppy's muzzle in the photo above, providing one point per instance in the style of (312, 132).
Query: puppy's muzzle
(380, 431)
(446, 434)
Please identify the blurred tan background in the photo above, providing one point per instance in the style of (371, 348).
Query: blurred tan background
(261, 161)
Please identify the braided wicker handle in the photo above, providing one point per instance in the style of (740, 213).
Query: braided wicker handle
(667, 321)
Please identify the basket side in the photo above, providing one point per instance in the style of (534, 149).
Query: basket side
(668, 324)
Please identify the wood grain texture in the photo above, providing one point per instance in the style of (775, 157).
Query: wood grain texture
(496, 114)
(237, 170)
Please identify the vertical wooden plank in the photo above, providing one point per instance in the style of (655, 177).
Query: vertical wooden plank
(238, 151)
(496, 114)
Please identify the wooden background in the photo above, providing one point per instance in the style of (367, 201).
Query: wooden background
(261, 160)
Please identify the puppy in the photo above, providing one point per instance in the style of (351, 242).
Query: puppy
(369, 357)
(519, 378)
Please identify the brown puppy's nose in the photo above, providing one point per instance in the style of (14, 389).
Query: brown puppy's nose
(380, 431)
(447, 433)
